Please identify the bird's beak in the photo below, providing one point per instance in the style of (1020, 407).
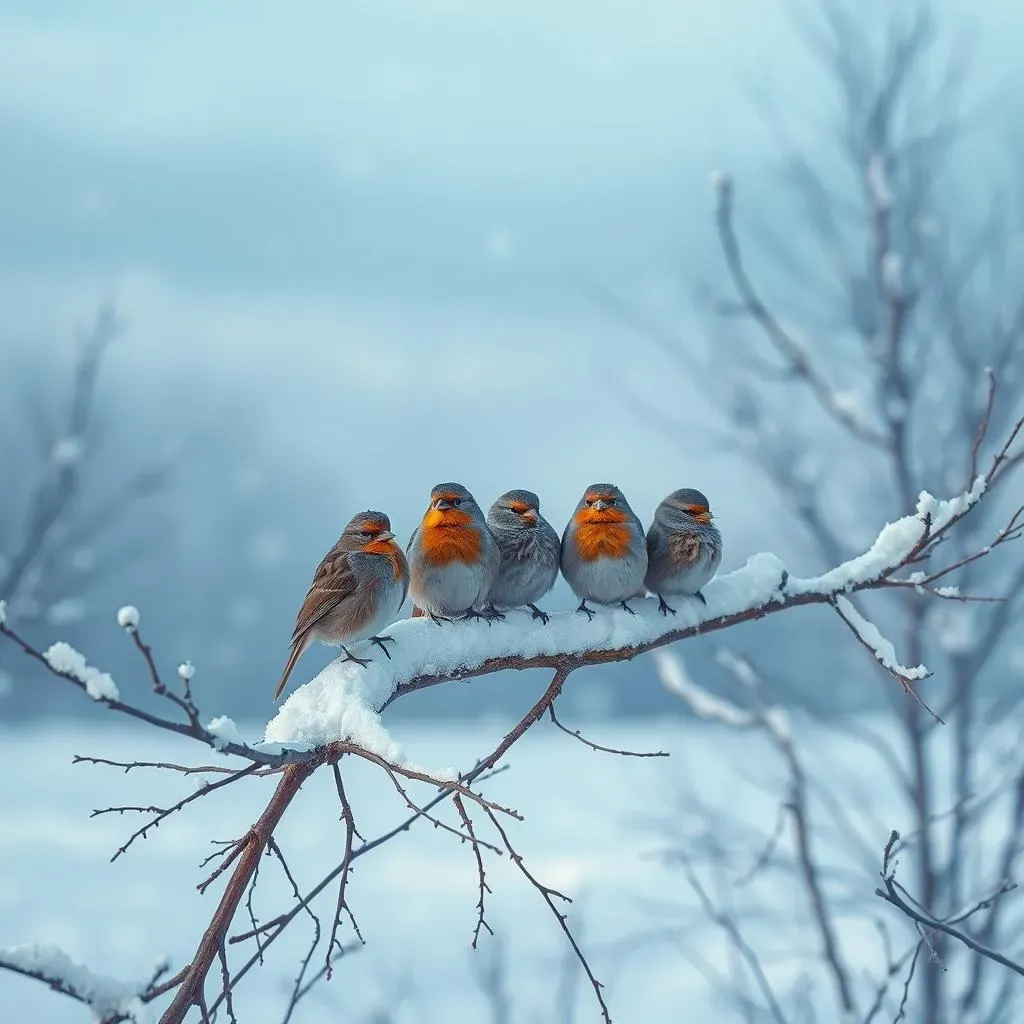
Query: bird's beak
(530, 516)
(385, 535)
(441, 505)
(599, 505)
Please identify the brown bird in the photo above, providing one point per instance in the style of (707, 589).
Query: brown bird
(356, 592)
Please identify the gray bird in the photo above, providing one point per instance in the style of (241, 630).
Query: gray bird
(529, 552)
(604, 556)
(684, 548)
(453, 558)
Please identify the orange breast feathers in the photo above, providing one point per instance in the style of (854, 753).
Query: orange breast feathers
(449, 535)
(391, 551)
(601, 533)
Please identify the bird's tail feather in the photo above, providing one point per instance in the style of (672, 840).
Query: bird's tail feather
(297, 648)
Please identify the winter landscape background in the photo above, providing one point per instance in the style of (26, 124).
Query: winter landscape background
(345, 251)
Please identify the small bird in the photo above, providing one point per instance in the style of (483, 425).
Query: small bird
(356, 591)
(529, 552)
(453, 558)
(684, 548)
(604, 556)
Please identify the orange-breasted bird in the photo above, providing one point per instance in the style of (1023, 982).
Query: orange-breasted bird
(453, 558)
(356, 592)
(684, 548)
(604, 555)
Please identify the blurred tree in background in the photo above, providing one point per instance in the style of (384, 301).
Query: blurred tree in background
(855, 361)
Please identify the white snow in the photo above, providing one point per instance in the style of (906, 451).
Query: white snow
(62, 657)
(894, 542)
(186, 670)
(892, 274)
(738, 666)
(106, 997)
(947, 591)
(128, 617)
(3, 612)
(882, 648)
(675, 679)
(878, 182)
(66, 452)
(851, 405)
(225, 730)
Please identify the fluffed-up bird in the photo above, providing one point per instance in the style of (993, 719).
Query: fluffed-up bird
(604, 555)
(684, 548)
(357, 591)
(529, 552)
(453, 558)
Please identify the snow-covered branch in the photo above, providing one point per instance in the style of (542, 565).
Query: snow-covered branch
(338, 713)
(111, 1001)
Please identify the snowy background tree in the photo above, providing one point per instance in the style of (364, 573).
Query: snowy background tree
(854, 353)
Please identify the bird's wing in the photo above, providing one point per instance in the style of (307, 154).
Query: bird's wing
(684, 548)
(412, 540)
(333, 581)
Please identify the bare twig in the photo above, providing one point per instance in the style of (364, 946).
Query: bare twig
(597, 746)
(481, 922)
(890, 891)
(549, 895)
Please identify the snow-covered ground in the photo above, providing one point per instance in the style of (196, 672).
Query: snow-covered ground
(414, 897)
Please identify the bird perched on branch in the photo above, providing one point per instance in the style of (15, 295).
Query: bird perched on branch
(684, 548)
(604, 556)
(453, 558)
(529, 552)
(357, 590)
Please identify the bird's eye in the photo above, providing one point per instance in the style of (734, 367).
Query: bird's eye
(456, 501)
(609, 501)
(368, 534)
(589, 501)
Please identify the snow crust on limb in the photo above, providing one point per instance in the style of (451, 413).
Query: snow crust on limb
(676, 679)
(62, 657)
(883, 649)
(106, 997)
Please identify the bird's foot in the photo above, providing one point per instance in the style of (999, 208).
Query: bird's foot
(382, 641)
(624, 605)
(492, 614)
(361, 662)
(664, 607)
(538, 614)
(700, 597)
(438, 619)
(472, 613)
(586, 611)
